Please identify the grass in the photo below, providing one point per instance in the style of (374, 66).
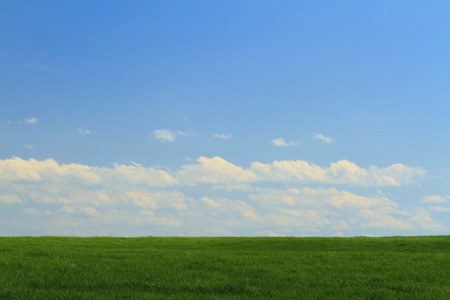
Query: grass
(224, 268)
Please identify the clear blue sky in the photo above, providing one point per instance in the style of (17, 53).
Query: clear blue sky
(213, 118)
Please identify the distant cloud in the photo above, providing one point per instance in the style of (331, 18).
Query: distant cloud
(341, 172)
(434, 199)
(280, 142)
(193, 199)
(9, 199)
(322, 138)
(165, 135)
(268, 233)
(84, 131)
(439, 209)
(30, 120)
(29, 146)
(223, 136)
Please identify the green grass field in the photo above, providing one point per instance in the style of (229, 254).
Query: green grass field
(209, 268)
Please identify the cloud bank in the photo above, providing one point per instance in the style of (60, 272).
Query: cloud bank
(210, 196)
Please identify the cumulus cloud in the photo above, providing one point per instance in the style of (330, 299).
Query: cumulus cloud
(341, 172)
(280, 142)
(322, 138)
(30, 120)
(206, 195)
(307, 196)
(223, 136)
(165, 135)
(157, 200)
(214, 170)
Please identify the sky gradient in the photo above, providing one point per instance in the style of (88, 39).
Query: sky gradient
(208, 118)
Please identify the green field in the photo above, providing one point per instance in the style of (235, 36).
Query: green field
(208, 268)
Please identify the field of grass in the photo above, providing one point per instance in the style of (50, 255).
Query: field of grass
(229, 268)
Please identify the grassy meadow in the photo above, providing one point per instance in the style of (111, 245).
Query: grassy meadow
(224, 268)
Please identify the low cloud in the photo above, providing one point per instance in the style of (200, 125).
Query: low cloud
(341, 172)
(165, 135)
(322, 138)
(280, 142)
(208, 196)
(214, 170)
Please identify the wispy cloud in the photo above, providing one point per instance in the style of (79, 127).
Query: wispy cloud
(322, 138)
(84, 131)
(166, 135)
(280, 142)
(29, 146)
(439, 209)
(30, 120)
(8, 199)
(434, 199)
(223, 136)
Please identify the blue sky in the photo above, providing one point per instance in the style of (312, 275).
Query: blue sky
(208, 118)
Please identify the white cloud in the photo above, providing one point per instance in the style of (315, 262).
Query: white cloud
(9, 199)
(322, 138)
(268, 233)
(342, 172)
(319, 197)
(252, 216)
(84, 131)
(214, 170)
(439, 209)
(30, 120)
(280, 142)
(165, 135)
(157, 200)
(29, 146)
(89, 211)
(17, 169)
(374, 219)
(206, 195)
(223, 136)
(32, 212)
(434, 199)
(209, 201)
(340, 225)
